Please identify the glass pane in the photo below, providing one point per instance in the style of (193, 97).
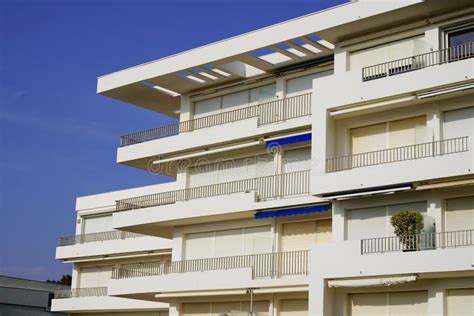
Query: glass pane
(461, 37)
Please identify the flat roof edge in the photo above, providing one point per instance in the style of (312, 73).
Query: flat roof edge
(250, 41)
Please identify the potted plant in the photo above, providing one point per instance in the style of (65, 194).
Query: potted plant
(407, 226)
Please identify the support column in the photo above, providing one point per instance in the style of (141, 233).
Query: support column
(433, 38)
(341, 62)
(174, 309)
(185, 109)
(435, 301)
(280, 88)
(338, 223)
(75, 276)
(435, 211)
(433, 123)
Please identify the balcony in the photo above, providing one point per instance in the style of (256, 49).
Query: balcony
(95, 300)
(268, 265)
(419, 242)
(423, 255)
(417, 62)
(270, 118)
(80, 292)
(397, 154)
(266, 113)
(399, 166)
(268, 187)
(105, 243)
(225, 273)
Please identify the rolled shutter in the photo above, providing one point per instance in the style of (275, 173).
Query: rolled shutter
(228, 243)
(375, 304)
(460, 213)
(407, 132)
(459, 123)
(294, 307)
(235, 101)
(97, 224)
(199, 245)
(207, 107)
(460, 302)
(298, 236)
(369, 138)
(360, 219)
(323, 231)
(196, 309)
(258, 240)
(298, 159)
(408, 303)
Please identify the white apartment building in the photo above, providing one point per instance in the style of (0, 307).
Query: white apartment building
(294, 146)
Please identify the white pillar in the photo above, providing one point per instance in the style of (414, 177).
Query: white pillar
(174, 309)
(280, 88)
(75, 276)
(338, 223)
(433, 123)
(432, 37)
(435, 210)
(341, 57)
(186, 111)
(435, 301)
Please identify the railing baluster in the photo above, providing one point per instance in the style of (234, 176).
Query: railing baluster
(397, 154)
(424, 241)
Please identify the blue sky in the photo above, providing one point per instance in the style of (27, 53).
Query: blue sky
(58, 138)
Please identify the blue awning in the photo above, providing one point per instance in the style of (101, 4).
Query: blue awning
(288, 140)
(293, 211)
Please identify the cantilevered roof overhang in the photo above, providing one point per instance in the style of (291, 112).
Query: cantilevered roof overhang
(157, 85)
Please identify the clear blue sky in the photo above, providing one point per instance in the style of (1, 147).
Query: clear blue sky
(58, 138)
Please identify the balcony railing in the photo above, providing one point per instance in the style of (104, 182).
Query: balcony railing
(417, 62)
(410, 152)
(268, 265)
(102, 236)
(418, 242)
(80, 292)
(268, 112)
(268, 187)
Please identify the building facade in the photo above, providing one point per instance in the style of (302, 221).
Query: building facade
(293, 148)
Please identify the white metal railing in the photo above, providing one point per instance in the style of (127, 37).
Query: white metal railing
(267, 113)
(418, 242)
(286, 184)
(416, 62)
(94, 237)
(410, 152)
(80, 292)
(263, 265)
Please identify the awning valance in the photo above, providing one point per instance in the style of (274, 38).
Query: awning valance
(288, 140)
(293, 211)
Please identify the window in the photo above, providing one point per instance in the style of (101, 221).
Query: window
(458, 123)
(234, 101)
(395, 303)
(386, 135)
(97, 224)
(261, 308)
(374, 222)
(459, 213)
(231, 170)
(297, 236)
(460, 302)
(463, 36)
(389, 52)
(298, 159)
(294, 307)
(230, 242)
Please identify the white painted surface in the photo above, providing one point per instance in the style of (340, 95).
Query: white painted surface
(104, 304)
